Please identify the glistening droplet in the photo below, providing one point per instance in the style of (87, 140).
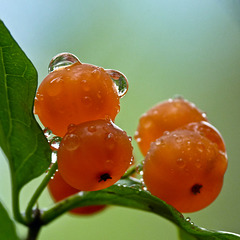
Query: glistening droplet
(71, 142)
(62, 60)
(55, 142)
(119, 80)
(47, 132)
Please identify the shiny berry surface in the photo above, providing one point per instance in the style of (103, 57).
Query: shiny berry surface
(165, 116)
(185, 169)
(94, 155)
(75, 94)
(60, 190)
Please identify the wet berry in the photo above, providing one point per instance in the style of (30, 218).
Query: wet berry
(60, 190)
(185, 169)
(75, 94)
(94, 155)
(166, 116)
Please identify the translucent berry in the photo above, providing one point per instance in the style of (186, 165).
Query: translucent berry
(94, 155)
(74, 94)
(164, 117)
(185, 169)
(60, 190)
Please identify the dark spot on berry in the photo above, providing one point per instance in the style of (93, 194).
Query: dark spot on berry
(104, 177)
(196, 188)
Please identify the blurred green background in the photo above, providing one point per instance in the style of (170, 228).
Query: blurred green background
(185, 47)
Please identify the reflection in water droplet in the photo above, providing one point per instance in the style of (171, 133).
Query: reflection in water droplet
(62, 60)
(71, 142)
(55, 142)
(119, 80)
(47, 132)
(54, 157)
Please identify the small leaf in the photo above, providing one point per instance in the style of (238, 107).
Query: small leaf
(7, 226)
(21, 138)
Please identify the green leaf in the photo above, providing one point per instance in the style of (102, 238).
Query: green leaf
(129, 193)
(21, 138)
(7, 226)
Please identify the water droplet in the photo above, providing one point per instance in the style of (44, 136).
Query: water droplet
(47, 132)
(86, 100)
(144, 188)
(178, 139)
(85, 85)
(180, 162)
(138, 139)
(166, 133)
(62, 60)
(71, 141)
(139, 168)
(54, 157)
(110, 141)
(198, 163)
(119, 80)
(71, 128)
(92, 128)
(55, 142)
(55, 86)
(130, 138)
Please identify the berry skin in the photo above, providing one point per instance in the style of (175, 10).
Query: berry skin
(60, 190)
(76, 94)
(209, 131)
(94, 155)
(166, 116)
(185, 169)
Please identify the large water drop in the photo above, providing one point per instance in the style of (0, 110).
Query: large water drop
(119, 80)
(62, 60)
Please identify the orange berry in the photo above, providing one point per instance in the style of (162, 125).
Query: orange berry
(185, 169)
(76, 94)
(60, 190)
(94, 155)
(209, 131)
(166, 116)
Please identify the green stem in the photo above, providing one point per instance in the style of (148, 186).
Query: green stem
(15, 205)
(37, 193)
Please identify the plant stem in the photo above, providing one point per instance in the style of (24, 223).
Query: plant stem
(35, 226)
(15, 203)
(37, 193)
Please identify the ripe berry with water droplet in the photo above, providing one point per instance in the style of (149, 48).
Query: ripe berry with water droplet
(94, 155)
(60, 190)
(164, 117)
(74, 94)
(187, 174)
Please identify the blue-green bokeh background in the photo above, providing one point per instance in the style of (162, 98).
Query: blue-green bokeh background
(186, 47)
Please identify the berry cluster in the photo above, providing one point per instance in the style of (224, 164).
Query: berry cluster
(79, 103)
(185, 156)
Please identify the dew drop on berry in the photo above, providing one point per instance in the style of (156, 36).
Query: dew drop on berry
(47, 132)
(71, 128)
(110, 141)
(180, 163)
(119, 80)
(55, 87)
(55, 142)
(92, 128)
(71, 141)
(54, 157)
(62, 60)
